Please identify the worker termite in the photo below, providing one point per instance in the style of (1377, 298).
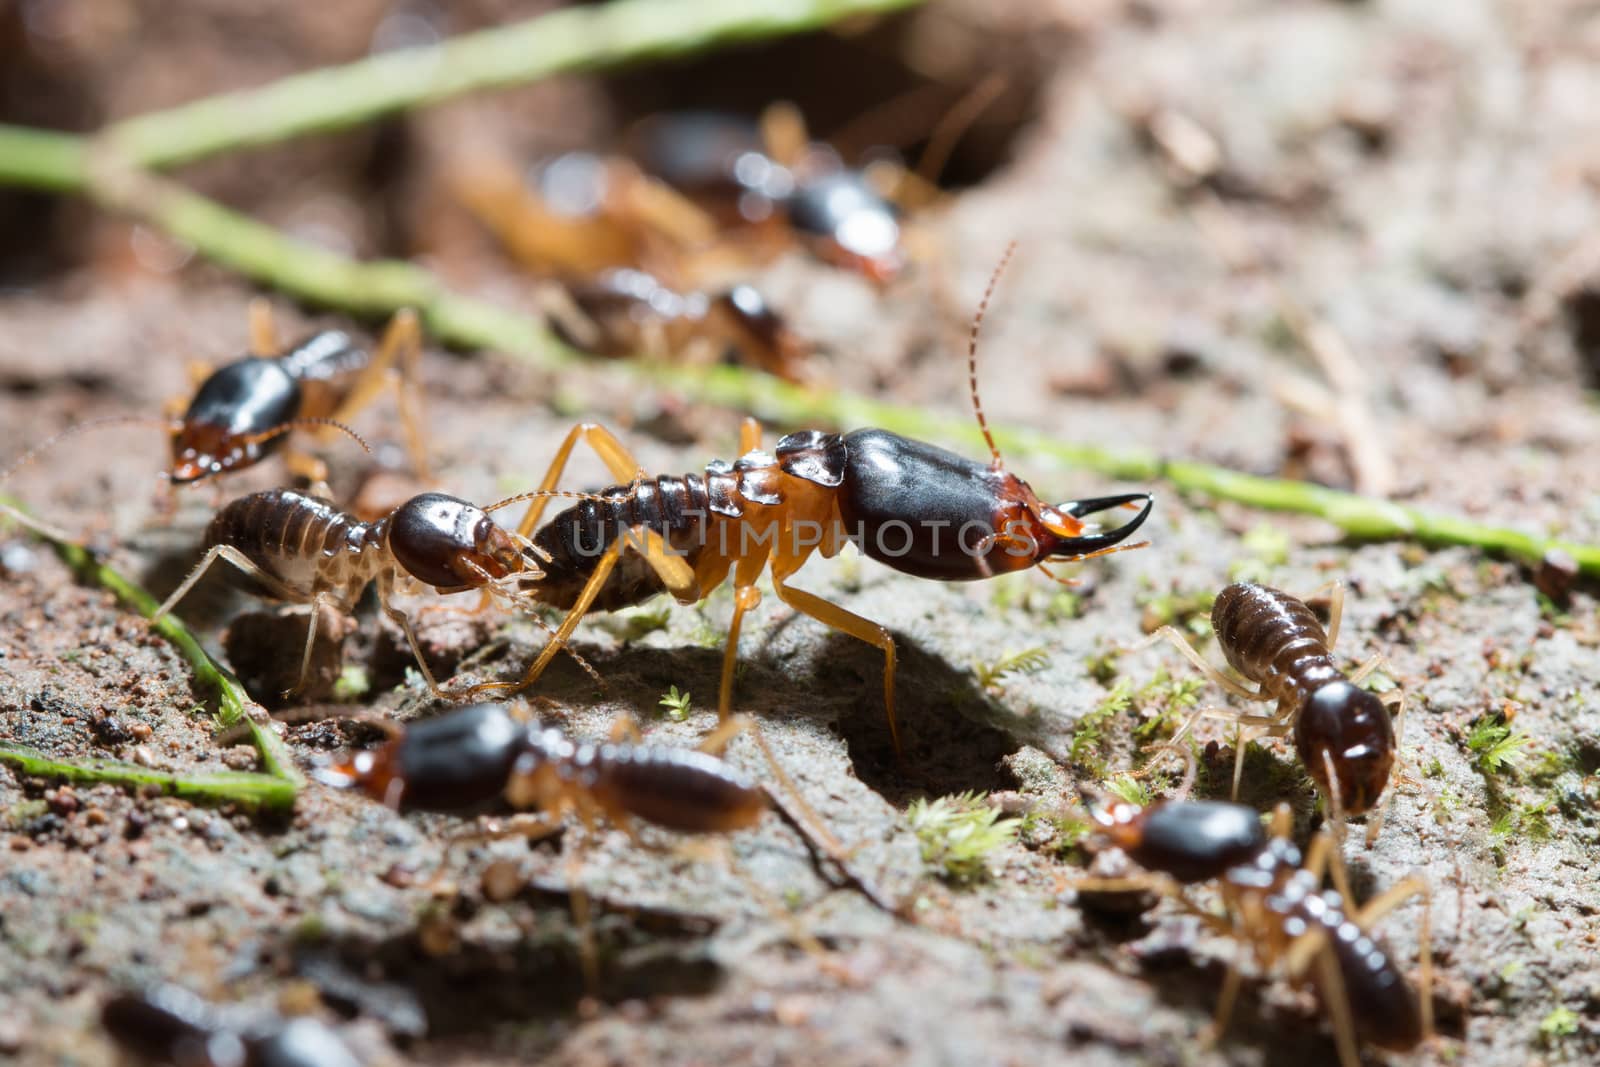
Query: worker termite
(481, 754)
(627, 312)
(477, 754)
(1342, 733)
(1275, 903)
(301, 549)
(911, 505)
(242, 411)
(170, 1025)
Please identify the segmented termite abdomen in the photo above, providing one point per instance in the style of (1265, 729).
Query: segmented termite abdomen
(679, 789)
(286, 533)
(1194, 841)
(1272, 638)
(1382, 1003)
(574, 540)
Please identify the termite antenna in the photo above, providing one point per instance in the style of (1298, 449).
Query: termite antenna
(295, 424)
(961, 117)
(577, 657)
(171, 425)
(972, 355)
(570, 494)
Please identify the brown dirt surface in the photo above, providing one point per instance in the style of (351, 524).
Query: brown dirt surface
(1420, 181)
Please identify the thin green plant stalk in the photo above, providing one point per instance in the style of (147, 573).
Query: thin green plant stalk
(572, 39)
(253, 792)
(232, 701)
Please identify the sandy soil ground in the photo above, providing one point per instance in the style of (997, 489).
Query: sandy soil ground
(1188, 182)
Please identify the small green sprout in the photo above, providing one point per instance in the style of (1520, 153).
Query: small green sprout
(1267, 548)
(1495, 746)
(1132, 790)
(957, 834)
(1102, 666)
(1089, 732)
(1169, 697)
(1028, 661)
(352, 684)
(1562, 1022)
(1064, 605)
(675, 704)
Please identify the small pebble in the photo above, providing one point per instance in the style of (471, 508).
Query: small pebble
(1556, 574)
(502, 880)
(63, 801)
(13, 1034)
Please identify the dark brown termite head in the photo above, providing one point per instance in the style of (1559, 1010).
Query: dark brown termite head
(456, 761)
(450, 544)
(934, 514)
(1189, 841)
(848, 223)
(1353, 728)
(222, 429)
(753, 326)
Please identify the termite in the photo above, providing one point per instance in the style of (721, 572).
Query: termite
(241, 412)
(626, 312)
(486, 755)
(909, 504)
(301, 549)
(1343, 733)
(1276, 905)
(170, 1025)
(483, 752)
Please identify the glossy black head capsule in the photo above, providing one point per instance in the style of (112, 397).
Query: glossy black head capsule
(1189, 841)
(247, 397)
(1353, 727)
(458, 760)
(450, 544)
(849, 223)
(932, 513)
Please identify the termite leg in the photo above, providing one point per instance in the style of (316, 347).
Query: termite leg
(1223, 1013)
(613, 452)
(312, 469)
(1397, 698)
(1334, 589)
(272, 585)
(717, 740)
(626, 728)
(263, 335)
(1337, 1000)
(311, 641)
(401, 619)
(1170, 633)
(673, 571)
(831, 614)
(396, 364)
(1278, 729)
(1341, 880)
(1359, 675)
(749, 435)
(745, 598)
